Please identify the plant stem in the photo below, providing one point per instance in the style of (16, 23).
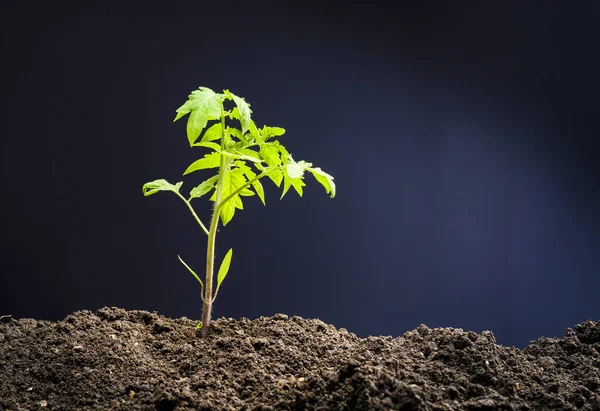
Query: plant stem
(193, 211)
(212, 236)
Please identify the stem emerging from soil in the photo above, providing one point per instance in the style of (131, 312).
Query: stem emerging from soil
(212, 236)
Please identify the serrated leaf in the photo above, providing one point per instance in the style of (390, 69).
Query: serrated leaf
(212, 133)
(298, 183)
(288, 182)
(206, 100)
(276, 176)
(285, 156)
(256, 185)
(236, 132)
(234, 114)
(155, 186)
(254, 132)
(211, 160)
(232, 180)
(325, 179)
(270, 132)
(204, 187)
(258, 188)
(270, 154)
(243, 110)
(203, 105)
(224, 268)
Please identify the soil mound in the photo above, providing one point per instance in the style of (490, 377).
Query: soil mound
(114, 359)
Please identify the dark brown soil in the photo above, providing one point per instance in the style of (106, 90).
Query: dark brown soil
(115, 359)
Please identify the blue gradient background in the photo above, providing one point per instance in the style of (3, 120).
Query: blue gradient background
(462, 137)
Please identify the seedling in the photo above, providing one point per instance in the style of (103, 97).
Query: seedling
(235, 151)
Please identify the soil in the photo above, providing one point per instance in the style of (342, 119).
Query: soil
(114, 359)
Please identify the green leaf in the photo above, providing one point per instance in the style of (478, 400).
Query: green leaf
(214, 146)
(196, 122)
(224, 268)
(246, 192)
(286, 158)
(236, 132)
(239, 155)
(288, 182)
(250, 175)
(293, 174)
(155, 186)
(234, 114)
(254, 132)
(270, 153)
(297, 183)
(211, 160)
(194, 274)
(204, 105)
(204, 187)
(325, 179)
(270, 132)
(243, 110)
(274, 173)
(232, 180)
(212, 133)
(250, 154)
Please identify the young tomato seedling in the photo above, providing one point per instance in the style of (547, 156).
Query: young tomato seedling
(234, 152)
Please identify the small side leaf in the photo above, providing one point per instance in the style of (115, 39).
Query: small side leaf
(155, 186)
(212, 145)
(224, 268)
(204, 187)
(270, 132)
(211, 160)
(237, 133)
(195, 276)
(247, 192)
(212, 133)
(234, 114)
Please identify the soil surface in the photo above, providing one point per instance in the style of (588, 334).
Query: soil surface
(114, 359)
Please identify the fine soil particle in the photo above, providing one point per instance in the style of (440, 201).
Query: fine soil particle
(114, 359)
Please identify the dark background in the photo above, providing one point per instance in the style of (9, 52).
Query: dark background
(462, 137)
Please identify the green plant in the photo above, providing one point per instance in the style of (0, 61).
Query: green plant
(234, 152)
